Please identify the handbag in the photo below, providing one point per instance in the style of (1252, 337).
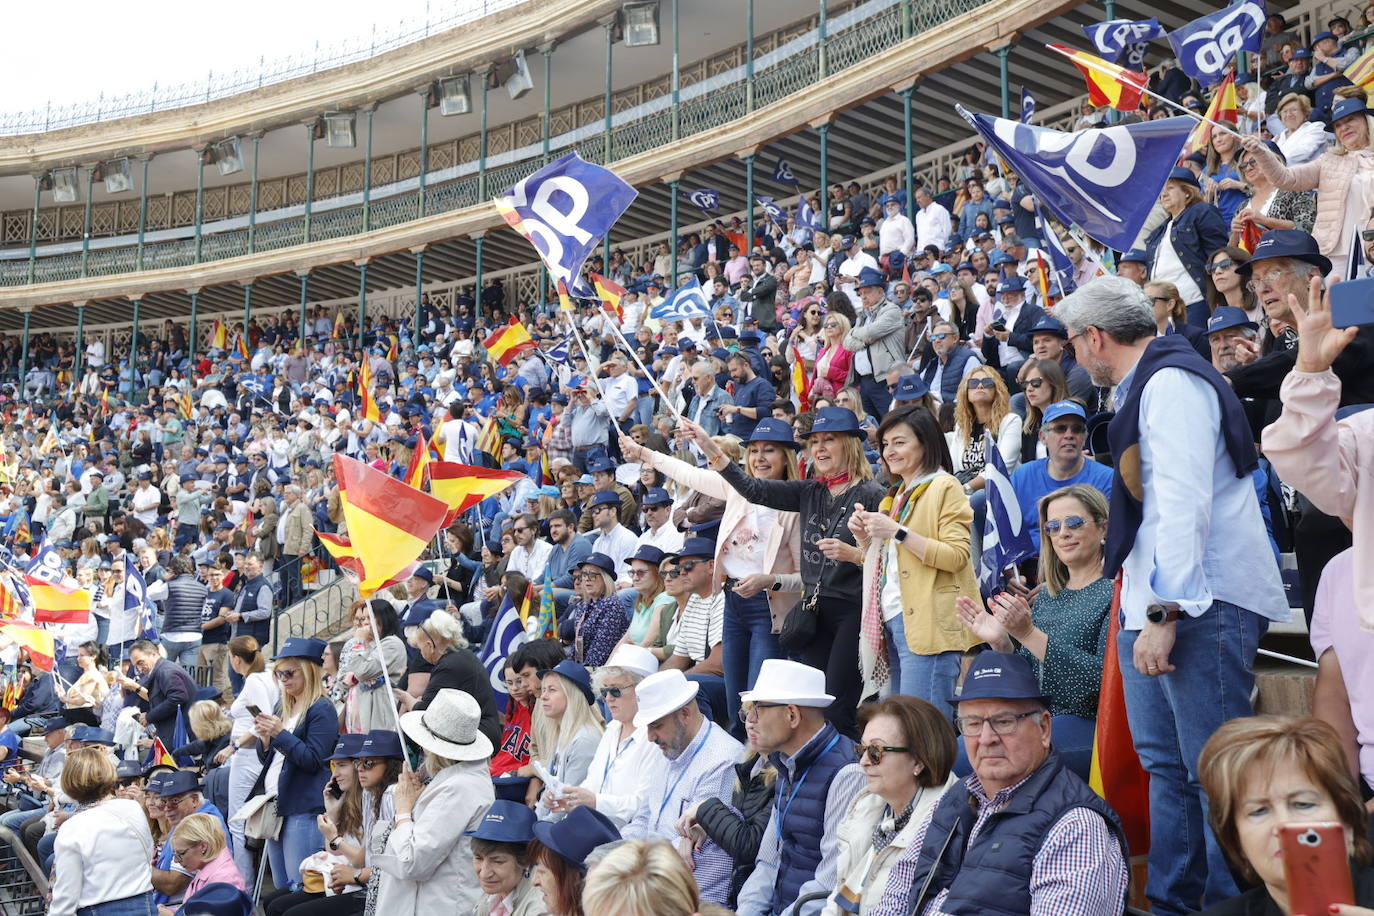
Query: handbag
(801, 624)
(260, 818)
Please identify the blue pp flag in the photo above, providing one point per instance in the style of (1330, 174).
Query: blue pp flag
(180, 738)
(782, 172)
(1104, 181)
(775, 213)
(806, 217)
(507, 634)
(136, 598)
(1061, 265)
(1206, 46)
(1027, 105)
(706, 200)
(687, 301)
(563, 210)
(47, 565)
(1117, 38)
(1006, 540)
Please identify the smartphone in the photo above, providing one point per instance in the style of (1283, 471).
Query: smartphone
(1352, 303)
(253, 709)
(1315, 865)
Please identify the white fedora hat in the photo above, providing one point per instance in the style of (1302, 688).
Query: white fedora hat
(633, 658)
(449, 727)
(662, 693)
(782, 681)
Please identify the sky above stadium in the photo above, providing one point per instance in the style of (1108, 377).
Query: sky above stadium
(75, 52)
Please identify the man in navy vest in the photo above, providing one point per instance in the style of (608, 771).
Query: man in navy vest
(818, 777)
(949, 362)
(1022, 834)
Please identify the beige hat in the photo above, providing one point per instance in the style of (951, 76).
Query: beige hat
(449, 727)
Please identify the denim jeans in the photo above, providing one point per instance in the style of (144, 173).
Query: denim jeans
(137, 905)
(184, 649)
(711, 697)
(748, 639)
(1171, 717)
(979, 501)
(299, 838)
(930, 677)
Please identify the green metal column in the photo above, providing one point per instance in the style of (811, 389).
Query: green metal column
(309, 176)
(749, 57)
(824, 131)
(419, 291)
(24, 349)
(749, 202)
(424, 143)
(822, 52)
(253, 197)
(86, 225)
(609, 102)
(367, 172)
(362, 300)
(1005, 76)
(672, 240)
(33, 226)
(80, 343)
(304, 277)
(200, 198)
(143, 211)
(133, 348)
(477, 276)
(247, 307)
(908, 27)
(482, 143)
(908, 151)
(191, 339)
(677, 78)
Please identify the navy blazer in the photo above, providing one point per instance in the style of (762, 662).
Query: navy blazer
(305, 765)
(170, 688)
(1196, 233)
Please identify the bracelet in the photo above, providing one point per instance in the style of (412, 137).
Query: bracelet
(401, 817)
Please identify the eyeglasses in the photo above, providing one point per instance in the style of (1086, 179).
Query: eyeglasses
(588, 577)
(1268, 280)
(1217, 267)
(1072, 523)
(519, 530)
(1367, 235)
(285, 674)
(1034, 382)
(670, 574)
(181, 853)
(982, 383)
(940, 336)
(875, 752)
(1060, 429)
(365, 765)
(688, 565)
(752, 710)
(1005, 724)
(614, 693)
(638, 573)
(1248, 164)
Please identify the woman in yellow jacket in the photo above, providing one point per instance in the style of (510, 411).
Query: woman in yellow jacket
(916, 562)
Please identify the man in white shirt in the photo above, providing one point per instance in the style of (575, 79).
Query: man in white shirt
(895, 232)
(932, 221)
(620, 391)
(658, 522)
(847, 281)
(145, 499)
(453, 437)
(613, 539)
(530, 554)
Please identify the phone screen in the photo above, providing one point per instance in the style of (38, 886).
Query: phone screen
(1352, 303)
(253, 709)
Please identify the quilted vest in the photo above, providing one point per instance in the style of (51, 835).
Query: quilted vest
(799, 806)
(953, 374)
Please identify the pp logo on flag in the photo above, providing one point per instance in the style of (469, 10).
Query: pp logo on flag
(1205, 46)
(1111, 38)
(783, 172)
(773, 210)
(705, 199)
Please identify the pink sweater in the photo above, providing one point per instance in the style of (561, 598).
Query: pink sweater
(1331, 464)
(220, 868)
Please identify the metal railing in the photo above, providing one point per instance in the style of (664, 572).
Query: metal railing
(265, 73)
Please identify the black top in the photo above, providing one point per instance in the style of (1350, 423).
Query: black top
(822, 516)
(1257, 902)
(460, 669)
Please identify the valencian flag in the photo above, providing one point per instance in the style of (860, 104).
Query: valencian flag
(1104, 181)
(367, 406)
(10, 605)
(338, 325)
(393, 352)
(801, 387)
(508, 341)
(610, 293)
(462, 486)
(219, 337)
(50, 440)
(1116, 773)
(1223, 109)
(546, 627)
(488, 439)
(38, 641)
(1108, 84)
(1361, 72)
(419, 462)
(563, 210)
(388, 522)
(188, 407)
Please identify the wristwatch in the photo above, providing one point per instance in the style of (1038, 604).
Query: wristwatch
(901, 535)
(1162, 613)
(776, 586)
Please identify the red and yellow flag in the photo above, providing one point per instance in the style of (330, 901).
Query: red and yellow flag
(462, 486)
(367, 406)
(489, 439)
(419, 462)
(158, 756)
(801, 385)
(389, 523)
(35, 639)
(565, 302)
(1222, 109)
(1361, 72)
(10, 608)
(105, 403)
(219, 337)
(1116, 773)
(338, 325)
(508, 342)
(609, 292)
(393, 352)
(188, 407)
(241, 345)
(1108, 84)
(342, 550)
(54, 603)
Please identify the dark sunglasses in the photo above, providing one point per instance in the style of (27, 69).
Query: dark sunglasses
(1367, 235)
(1060, 429)
(1072, 523)
(1217, 267)
(982, 383)
(1034, 382)
(874, 752)
(1248, 164)
(613, 692)
(672, 573)
(688, 565)
(366, 765)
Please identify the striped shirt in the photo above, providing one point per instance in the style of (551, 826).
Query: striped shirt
(699, 631)
(1078, 871)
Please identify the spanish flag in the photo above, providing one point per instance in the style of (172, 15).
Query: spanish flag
(158, 756)
(342, 550)
(1361, 72)
(338, 325)
(565, 302)
(241, 344)
(54, 603)
(1108, 84)
(508, 342)
(219, 337)
(462, 486)
(393, 352)
(801, 386)
(419, 463)
(1116, 773)
(609, 292)
(1222, 109)
(367, 406)
(38, 641)
(389, 523)
(105, 403)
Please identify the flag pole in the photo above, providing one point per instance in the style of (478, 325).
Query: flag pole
(1092, 63)
(386, 677)
(647, 374)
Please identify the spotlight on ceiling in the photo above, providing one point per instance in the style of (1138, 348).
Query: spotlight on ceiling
(66, 187)
(641, 24)
(225, 156)
(519, 82)
(454, 95)
(116, 175)
(339, 129)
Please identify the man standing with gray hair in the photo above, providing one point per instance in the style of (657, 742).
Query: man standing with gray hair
(1199, 580)
(297, 536)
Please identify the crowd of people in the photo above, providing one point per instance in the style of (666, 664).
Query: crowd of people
(793, 668)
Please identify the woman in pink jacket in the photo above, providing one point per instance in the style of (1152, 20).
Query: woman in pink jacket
(832, 359)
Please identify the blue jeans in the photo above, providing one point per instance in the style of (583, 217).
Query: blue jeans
(300, 837)
(747, 639)
(1171, 717)
(876, 397)
(930, 677)
(182, 649)
(711, 697)
(137, 905)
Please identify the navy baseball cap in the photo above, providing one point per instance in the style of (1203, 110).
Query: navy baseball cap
(1227, 317)
(771, 429)
(1286, 243)
(1185, 175)
(997, 257)
(1064, 409)
(53, 724)
(1012, 285)
(175, 782)
(910, 388)
(999, 676)
(656, 496)
(575, 673)
(599, 561)
(1347, 107)
(574, 837)
(647, 553)
(506, 822)
(600, 463)
(381, 742)
(1320, 37)
(347, 747)
(698, 547)
(870, 277)
(1137, 254)
(1301, 54)
(1050, 325)
(92, 735)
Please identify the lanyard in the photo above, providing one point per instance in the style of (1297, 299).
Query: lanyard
(796, 787)
(612, 759)
(673, 788)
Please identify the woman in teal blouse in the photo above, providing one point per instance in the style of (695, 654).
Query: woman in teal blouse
(654, 608)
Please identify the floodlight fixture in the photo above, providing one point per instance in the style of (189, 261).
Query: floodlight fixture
(340, 129)
(66, 185)
(116, 175)
(519, 82)
(455, 97)
(640, 23)
(225, 156)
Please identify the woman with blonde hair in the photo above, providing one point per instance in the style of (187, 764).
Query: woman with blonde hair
(641, 878)
(567, 728)
(832, 359)
(982, 406)
(1171, 316)
(198, 846)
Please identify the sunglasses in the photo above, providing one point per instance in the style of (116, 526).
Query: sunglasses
(940, 336)
(1217, 267)
(1248, 164)
(687, 566)
(1072, 523)
(614, 693)
(874, 752)
(832, 324)
(671, 573)
(1367, 235)
(285, 674)
(1060, 429)
(588, 577)
(366, 765)
(982, 383)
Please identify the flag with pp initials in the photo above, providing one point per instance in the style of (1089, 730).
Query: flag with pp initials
(563, 210)
(1206, 46)
(1006, 539)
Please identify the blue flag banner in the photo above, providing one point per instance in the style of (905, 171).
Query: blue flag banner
(1105, 181)
(1027, 105)
(1115, 38)
(782, 172)
(687, 301)
(775, 213)
(136, 598)
(806, 217)
(563, 210)
(180, 738)
(1204, 47)
(705, 199)
(1006, 540)
(507, 634)
(1061, 265)
(47, 565)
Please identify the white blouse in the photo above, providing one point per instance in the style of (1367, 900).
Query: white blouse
(103, 853)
